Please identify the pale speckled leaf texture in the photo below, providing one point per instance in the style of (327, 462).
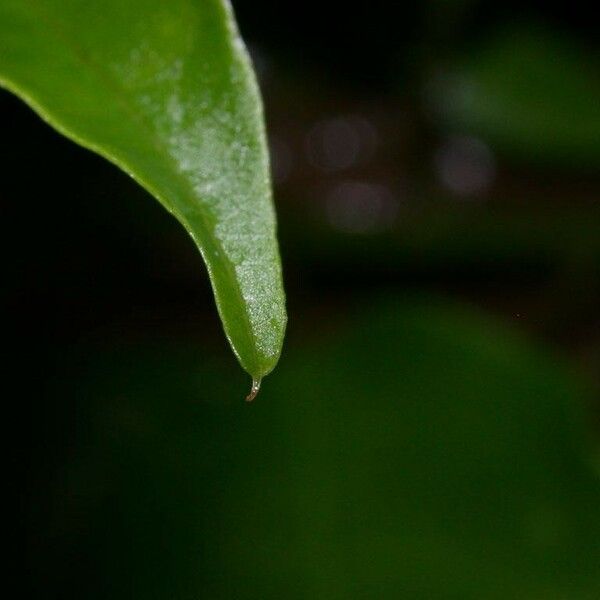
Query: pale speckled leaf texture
(165, 90)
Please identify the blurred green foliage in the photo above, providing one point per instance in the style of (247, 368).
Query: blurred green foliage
(419, 451)
(532, 92)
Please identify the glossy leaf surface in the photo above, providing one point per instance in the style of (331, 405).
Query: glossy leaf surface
(165, 91)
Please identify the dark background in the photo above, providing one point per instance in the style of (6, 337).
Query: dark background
(438, 150)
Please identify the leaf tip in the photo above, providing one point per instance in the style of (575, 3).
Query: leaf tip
(253, 390)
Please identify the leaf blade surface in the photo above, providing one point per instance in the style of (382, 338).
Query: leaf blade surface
(166, 92)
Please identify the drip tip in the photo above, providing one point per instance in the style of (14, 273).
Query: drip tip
(254, 390)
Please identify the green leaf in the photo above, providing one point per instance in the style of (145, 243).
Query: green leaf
(165, 91)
